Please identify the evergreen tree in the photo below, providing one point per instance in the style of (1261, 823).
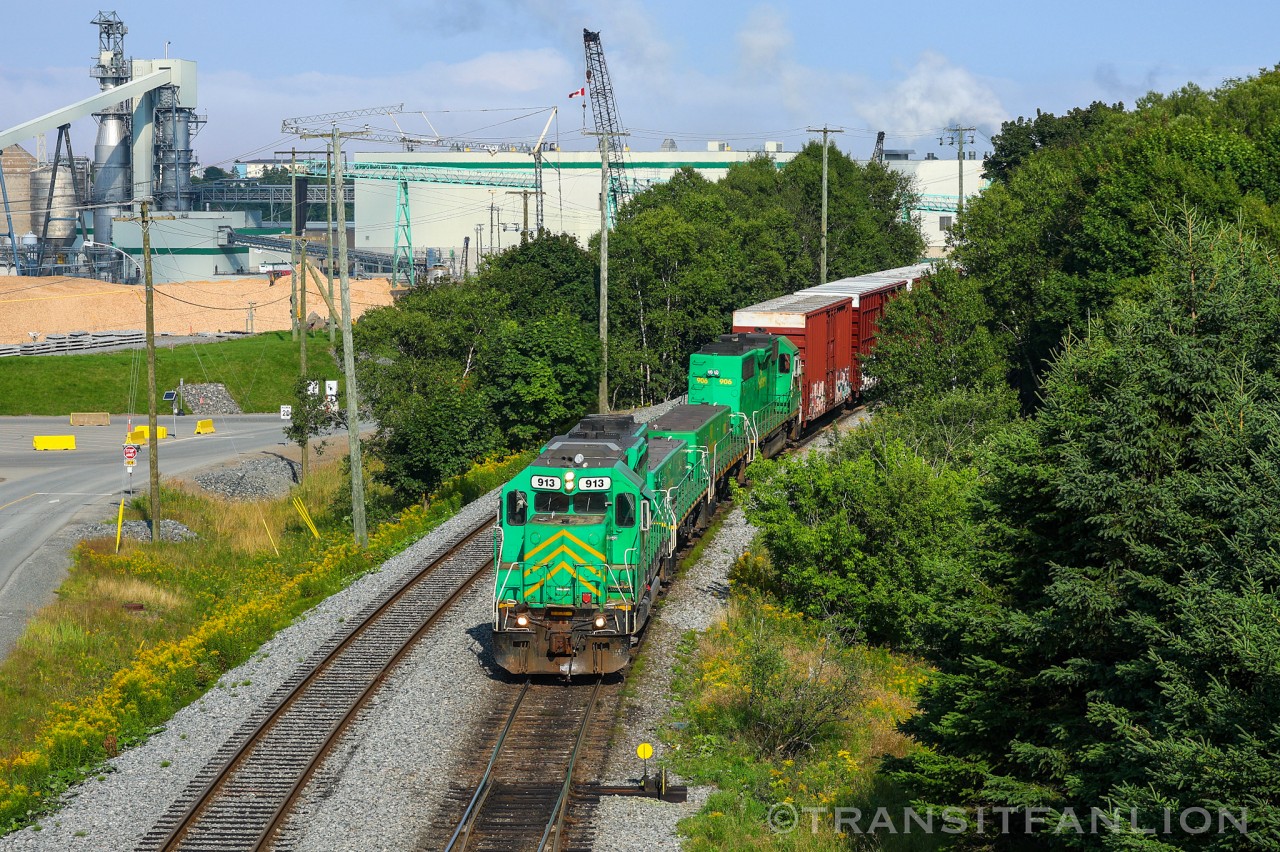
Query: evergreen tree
(1133, 526)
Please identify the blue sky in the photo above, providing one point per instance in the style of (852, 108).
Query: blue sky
(742, 72)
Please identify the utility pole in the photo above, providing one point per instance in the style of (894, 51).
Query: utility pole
(479, 244)
(524, 228)
(328, 217)
(153, 441)
(604, 276)
(824, 130)
(302, 348)
(293, 229)
(604, 264)
(492, 209)
(957, 138)
(358, 523)
(349, 364)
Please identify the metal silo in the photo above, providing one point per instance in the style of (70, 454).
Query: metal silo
(61, 231)
(173, 151)
(111, 185)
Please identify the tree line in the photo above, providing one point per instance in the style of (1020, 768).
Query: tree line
(1068, 500)
(459, 370)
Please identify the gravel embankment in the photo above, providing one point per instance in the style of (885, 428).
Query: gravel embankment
(696, 601)
(170, 530)
(206, 400)
(112, 811)
(257, 477)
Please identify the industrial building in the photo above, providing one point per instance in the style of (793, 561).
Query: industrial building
(70, 216)
(439, 210)
(459, 218)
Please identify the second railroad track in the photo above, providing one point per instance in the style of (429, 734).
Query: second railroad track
(242, 797)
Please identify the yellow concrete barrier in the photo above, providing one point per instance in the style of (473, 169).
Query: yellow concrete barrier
(54, 442)
(140, 433)
(90, 418)
(205, 427)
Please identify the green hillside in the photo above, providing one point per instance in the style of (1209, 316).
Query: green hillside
(258, 371)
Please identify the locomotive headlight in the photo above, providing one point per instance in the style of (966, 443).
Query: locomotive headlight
(522, 620)
(599, 622)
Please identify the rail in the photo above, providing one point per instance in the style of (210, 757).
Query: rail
(522, 797)
(554, 831)
(311, 711)
(482, 789)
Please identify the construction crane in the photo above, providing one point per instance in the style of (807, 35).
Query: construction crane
(604, 110)
(537, 175)
(308, 124)
(877, 153)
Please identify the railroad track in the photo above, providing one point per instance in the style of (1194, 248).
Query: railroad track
(522, 800)
(242, 797)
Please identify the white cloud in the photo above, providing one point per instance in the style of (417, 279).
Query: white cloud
(764, 42)
(933, 94)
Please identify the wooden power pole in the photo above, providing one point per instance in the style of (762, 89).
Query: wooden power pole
(824, 130)
(153, 439)
(349, 360)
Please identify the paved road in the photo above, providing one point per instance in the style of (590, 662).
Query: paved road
(41, 492)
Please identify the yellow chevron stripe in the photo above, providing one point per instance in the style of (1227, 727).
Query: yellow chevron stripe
(537, 566)
(572, 537)
(577, 560)
(572, 573)
(560, 567)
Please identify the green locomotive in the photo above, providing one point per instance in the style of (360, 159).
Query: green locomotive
(587, 534)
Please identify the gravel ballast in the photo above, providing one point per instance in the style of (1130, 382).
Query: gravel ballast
(138, 786)
(260, 476)
(697, 600)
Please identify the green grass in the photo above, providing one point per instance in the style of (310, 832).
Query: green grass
(135, 636)
(718, 738)
(258, 371)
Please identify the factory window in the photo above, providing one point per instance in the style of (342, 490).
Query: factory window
(550, 501)
(517, 508)
(624, 511)
(591, 503)
(944, 223)
(748, 368)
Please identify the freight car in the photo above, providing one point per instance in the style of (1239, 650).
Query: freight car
(587, 534)
(834, 325)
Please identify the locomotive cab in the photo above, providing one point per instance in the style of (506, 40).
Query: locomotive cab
(572, 584)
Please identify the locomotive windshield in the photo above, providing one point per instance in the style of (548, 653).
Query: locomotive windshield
(553, 507)
(590, 504)
(550, 501)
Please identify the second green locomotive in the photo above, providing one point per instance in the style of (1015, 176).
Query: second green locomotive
(587, 534)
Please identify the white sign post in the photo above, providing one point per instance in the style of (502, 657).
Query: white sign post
(286, 412)
(130, 459)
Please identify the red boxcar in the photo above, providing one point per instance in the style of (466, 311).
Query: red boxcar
(869, 294)
(821, 327)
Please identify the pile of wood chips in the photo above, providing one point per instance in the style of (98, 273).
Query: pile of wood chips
(63, 305)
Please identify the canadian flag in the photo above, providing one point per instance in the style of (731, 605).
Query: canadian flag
(580, 93)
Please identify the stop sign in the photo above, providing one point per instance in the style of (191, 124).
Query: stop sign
(130, 452)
